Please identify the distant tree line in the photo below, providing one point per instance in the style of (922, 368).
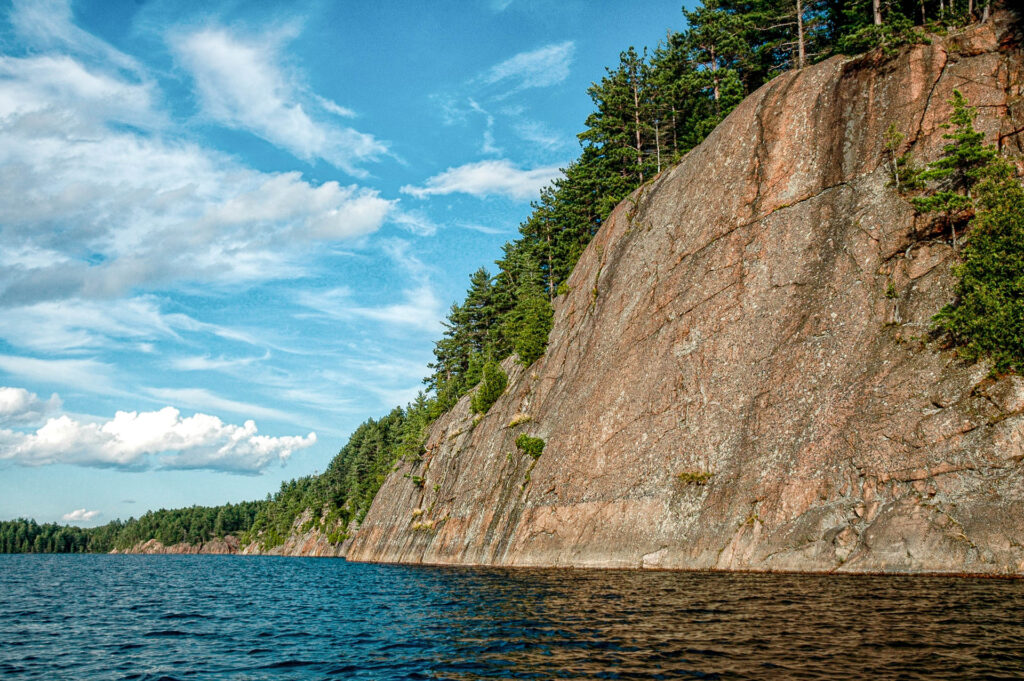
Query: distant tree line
(649, 110)
(193, 525)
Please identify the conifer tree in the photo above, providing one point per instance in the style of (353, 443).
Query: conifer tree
(987, 319)
(960, 167)
(530, 320)
(491, 387)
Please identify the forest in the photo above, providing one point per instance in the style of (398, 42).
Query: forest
(650, 109)
(192, 525)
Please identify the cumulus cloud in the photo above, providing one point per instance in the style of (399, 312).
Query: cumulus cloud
(140, 440)
(95, 199)
(241, 85)
(543, 67)
(20, 407)
(79, 515)
(487, 178)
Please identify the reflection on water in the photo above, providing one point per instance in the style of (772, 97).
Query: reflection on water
(221, 617)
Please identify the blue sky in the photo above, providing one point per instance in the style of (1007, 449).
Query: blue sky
(229, 231)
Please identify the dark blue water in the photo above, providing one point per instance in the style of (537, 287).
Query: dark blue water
(226, 617)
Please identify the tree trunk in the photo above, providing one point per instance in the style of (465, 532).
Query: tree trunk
(923, 19)
(801, 52)
(636, 121)
(986, 11)
(551, 275)
(876, 7)
(714, 77)
(657, 143)
(675, 139)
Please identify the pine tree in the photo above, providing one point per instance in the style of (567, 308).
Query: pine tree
(960, 167)
(716, 46)
(530, 321)
(621, 128)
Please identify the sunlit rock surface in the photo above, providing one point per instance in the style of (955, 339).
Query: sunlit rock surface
(731, 318)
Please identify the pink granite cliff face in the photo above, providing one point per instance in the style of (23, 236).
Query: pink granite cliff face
(731, 318)
(221, 546)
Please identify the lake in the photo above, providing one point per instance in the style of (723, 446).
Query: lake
(235, 617)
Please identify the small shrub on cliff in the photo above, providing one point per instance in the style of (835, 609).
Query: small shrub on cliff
(493, 385)
(698, 478)
(534, 446)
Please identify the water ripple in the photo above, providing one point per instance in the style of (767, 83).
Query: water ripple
(146, 618)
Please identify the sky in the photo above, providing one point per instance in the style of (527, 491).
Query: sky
(229, 232)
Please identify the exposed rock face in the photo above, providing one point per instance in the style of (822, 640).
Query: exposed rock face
(310, 544)
(227, 545)
(300, 542)
(731, 318)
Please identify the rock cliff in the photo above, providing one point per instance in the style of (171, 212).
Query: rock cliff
(223, 546)
(728, 385)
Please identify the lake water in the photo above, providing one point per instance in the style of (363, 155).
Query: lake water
(231, 617)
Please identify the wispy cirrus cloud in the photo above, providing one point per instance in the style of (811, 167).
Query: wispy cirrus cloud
(200, 398)
(50, 24)
(100, 193)
(543, 67)
(143, 440)
(89, 375)
(208, 363)
(75, 325)
(487, 178)
(89, 209)
(241, 84)
(419, 308)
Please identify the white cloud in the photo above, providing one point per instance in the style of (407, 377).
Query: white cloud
(200, 398)
(92, 209)
(140, 440)
(420, 308)
(487, 178)
(241, 84)
(538, 133)
(334, 107)
(74, 325)
(543, 67)
(207, 363)
(84, 374)
(483, 229)
(415, 221)
(488, 146)
(20, 407)
(49, 23)
(79, 515)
